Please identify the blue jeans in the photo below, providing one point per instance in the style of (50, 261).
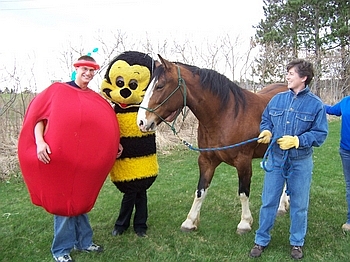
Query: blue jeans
(70, 232)
(297, 173)
(345, 158)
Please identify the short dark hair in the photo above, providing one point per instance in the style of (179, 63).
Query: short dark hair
(87, 58)
(303, 68)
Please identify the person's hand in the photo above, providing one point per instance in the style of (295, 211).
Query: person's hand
(265, 137)
(43, 150)
(287, 142)
(120, 150)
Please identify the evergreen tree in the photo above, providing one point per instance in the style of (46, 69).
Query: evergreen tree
(303, 28)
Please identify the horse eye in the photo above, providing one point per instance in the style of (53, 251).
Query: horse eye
(159, 87)
(133, 85)
(119, 82)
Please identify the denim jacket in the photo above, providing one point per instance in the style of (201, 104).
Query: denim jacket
(301, 115)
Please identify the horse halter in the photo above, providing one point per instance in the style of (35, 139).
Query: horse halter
(180, 83)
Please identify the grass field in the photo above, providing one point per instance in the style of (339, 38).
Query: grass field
(26, 230)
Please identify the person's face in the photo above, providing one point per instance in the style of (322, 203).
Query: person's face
(85, 74)
(295, 82)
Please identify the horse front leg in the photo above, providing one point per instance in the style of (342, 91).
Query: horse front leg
(245, 225)
(192, 220)
(207, 166)
(244, 175)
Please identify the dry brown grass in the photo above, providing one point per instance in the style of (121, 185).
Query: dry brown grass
(186, 129)
(12, 109)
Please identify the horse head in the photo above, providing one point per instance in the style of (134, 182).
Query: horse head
(164, 97)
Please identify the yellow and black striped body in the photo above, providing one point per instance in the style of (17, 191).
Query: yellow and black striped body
(137, 166)
(125, 84)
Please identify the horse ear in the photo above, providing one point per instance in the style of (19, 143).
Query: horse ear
(165, 63)
(157, 63)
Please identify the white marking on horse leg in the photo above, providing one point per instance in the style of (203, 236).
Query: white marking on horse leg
(192, 220)
(284, 203)
(246, 217)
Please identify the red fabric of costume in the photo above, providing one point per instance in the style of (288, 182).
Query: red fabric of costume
(83, 134)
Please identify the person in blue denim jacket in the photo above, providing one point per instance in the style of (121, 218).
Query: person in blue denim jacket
(294, 122)
(342, 109)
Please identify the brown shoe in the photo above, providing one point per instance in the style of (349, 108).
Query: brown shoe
(256, 251)
(297, 252)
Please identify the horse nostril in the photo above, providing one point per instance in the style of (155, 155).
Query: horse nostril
(141, 123)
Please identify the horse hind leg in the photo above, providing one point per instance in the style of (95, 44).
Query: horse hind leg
(284, 202)
(192, 221)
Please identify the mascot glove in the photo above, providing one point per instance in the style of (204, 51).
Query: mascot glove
(265, 137)
(287, 142)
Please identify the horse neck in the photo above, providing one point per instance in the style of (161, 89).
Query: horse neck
(203, 104)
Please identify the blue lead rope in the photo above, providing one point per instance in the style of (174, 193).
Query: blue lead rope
(285, 166)
(264, 160)
(218, 148)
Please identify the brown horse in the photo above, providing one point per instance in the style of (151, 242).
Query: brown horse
(227, 114)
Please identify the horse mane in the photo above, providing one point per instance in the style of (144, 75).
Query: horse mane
(219, 85)
(216, 83)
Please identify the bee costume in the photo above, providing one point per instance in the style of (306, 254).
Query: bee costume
(124, 84)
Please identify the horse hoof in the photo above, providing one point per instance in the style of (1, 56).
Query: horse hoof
(281, 212)
(241, 231)
(185, 229)
(245, 226)
(188, 226)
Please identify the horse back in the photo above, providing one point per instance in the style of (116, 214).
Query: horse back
(270, 90)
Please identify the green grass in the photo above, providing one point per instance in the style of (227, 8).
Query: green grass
(26, 230)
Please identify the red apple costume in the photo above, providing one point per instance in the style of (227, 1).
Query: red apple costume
(83, 134)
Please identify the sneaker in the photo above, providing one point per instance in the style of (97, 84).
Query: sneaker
(94, 248)
(65, 258)
(297, 252)
(256, 251)
(346, 227)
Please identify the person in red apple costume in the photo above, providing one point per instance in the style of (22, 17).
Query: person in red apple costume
(67, 145)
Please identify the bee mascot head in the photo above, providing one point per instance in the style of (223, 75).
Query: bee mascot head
(127, 78)
(125, 84)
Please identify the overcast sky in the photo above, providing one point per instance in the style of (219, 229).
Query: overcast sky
(41, 26)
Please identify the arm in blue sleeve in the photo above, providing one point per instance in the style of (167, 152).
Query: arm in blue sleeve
(333, 110)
